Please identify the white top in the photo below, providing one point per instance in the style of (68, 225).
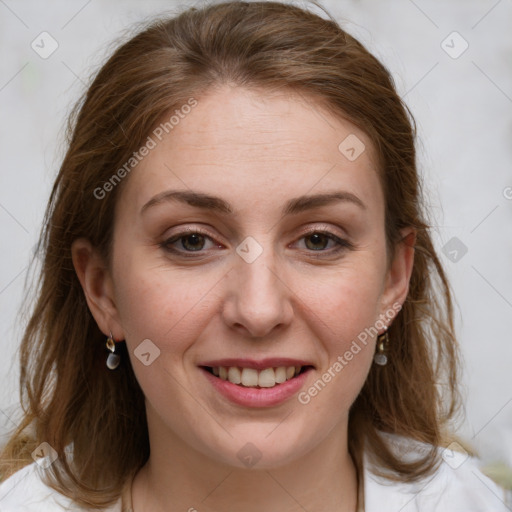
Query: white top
(457, 486)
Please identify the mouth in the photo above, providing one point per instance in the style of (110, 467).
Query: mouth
(269, 377)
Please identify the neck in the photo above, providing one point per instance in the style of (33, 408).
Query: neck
(178, 477)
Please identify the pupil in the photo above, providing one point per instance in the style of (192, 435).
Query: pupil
(318, 241)
(193, 242)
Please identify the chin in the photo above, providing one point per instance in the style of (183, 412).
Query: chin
(260, 451)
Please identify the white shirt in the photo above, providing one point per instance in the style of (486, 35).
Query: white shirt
(457, 486)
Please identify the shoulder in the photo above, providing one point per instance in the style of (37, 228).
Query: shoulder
(457, 485)
(25, 491)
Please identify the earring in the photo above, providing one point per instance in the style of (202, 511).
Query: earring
(380, 356)
(112, 359)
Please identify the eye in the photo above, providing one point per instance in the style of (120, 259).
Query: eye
(317, 241)
(189, 241)
(193, 242)
(323, 241)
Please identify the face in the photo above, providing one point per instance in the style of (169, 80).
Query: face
(247, 234)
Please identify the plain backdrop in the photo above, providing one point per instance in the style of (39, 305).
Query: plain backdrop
(451, 62)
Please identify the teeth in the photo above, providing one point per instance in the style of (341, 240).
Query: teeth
(267, 378)
(250, 377)
(280, 374)
(234, 375)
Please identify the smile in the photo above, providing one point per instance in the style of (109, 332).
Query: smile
(253, 378)
(265, 386)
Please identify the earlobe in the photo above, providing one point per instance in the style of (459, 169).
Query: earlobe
(97, 286)
(400, 270)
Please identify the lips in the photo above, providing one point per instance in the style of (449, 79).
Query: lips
(271, 393)
(262, 364)
(258, 383)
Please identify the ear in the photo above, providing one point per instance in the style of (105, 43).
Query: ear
(399, 272)
(97, 285)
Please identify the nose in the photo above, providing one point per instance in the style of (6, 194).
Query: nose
(258, 300)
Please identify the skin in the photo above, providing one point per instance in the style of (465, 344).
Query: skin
(300, 298)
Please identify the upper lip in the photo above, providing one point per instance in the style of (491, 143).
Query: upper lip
(270, 362)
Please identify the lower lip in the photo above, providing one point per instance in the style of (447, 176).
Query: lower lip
(257, 397)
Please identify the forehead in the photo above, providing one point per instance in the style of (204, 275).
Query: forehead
(257, 146)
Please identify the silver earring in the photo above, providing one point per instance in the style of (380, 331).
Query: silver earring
(112, 359)
(380, 356)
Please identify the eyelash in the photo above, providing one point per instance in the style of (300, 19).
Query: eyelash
(342, 245)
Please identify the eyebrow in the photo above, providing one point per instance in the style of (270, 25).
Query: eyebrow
(216, 204)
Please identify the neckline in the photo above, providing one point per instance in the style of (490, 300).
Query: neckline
(127, 504)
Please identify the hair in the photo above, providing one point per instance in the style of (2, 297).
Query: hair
(69, 397)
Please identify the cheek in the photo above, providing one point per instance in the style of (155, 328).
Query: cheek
(159, 303)
(343, 326)
(171, 310)
(346, 301)
(345, 319)
(343, 310)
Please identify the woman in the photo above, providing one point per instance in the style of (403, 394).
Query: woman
(236, 309)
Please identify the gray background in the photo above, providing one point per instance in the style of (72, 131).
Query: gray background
(462, 102)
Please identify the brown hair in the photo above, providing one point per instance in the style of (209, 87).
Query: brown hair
(68, 394)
